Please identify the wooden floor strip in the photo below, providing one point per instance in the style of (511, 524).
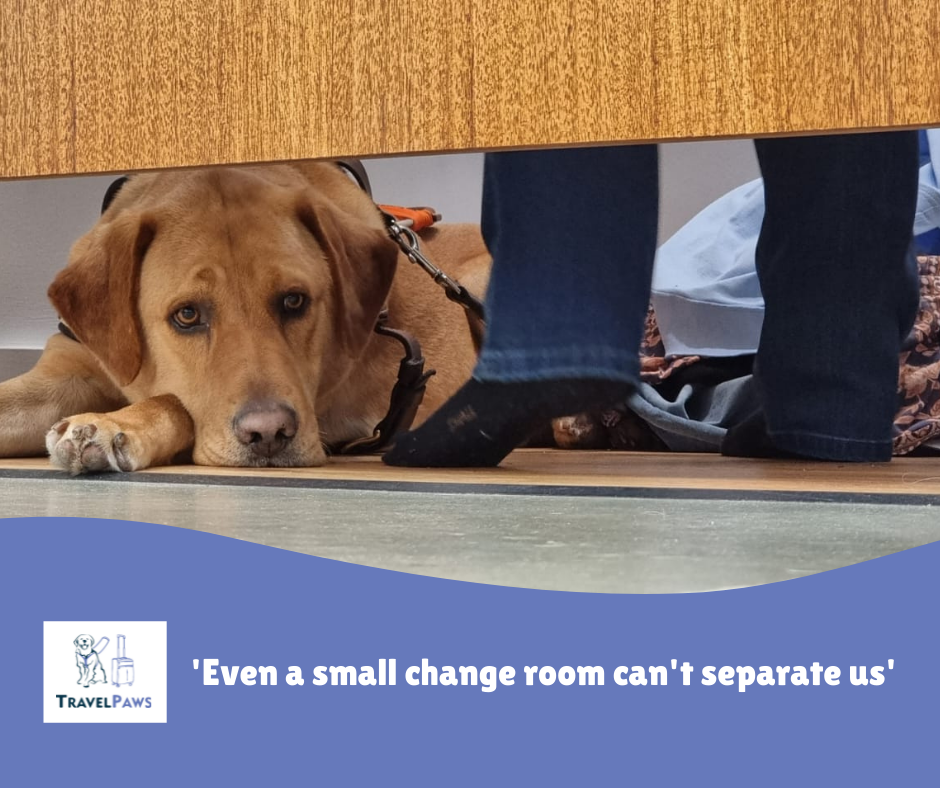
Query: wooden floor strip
(536, 468)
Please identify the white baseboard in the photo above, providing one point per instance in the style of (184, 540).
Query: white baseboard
(16, 362)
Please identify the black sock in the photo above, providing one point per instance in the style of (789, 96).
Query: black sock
(483, 422)
(750, 438)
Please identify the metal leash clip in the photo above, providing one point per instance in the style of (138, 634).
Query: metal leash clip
(407, 240)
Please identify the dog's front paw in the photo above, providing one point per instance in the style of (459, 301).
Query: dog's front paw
(93, 443)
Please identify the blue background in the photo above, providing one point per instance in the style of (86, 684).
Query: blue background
(247, 604)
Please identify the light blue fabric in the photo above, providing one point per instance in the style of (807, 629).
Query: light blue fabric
(928, 193)
(705, 290)
(700, 416)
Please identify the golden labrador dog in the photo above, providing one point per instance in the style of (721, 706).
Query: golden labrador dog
(227, 316)
(90, 668)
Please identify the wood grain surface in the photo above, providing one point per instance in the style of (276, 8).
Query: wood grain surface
(105, 85)
(615, 470)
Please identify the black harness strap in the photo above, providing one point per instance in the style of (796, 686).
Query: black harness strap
(354, 169)
(66, 331)
(112, 192)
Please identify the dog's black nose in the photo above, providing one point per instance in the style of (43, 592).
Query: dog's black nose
(265, 427)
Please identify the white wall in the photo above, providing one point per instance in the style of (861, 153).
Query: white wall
(40, 219)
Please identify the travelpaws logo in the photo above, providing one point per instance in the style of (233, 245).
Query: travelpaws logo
(104, 671)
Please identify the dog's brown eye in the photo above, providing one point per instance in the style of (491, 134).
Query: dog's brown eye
(187, 317)
(294, 302)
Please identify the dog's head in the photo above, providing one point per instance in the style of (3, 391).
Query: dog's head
(247, 293)
(83, 644)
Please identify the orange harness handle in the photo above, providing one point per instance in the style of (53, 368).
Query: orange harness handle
(417, 219)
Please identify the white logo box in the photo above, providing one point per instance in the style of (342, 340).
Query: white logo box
(136, 676)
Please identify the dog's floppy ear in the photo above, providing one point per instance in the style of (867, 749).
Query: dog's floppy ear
(96, 294)
(362, 262)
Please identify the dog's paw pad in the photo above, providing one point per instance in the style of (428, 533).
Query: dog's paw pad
(91, 443)
(94, 458)
(84, 432)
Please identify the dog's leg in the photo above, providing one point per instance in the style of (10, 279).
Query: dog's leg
(65, 380)
(150, 432)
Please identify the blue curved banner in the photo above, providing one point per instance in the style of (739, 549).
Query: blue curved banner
(250, 665)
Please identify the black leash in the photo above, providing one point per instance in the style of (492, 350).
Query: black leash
(405, 398)
(408, 393)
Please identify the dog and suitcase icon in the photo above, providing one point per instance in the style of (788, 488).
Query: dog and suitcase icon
(91, 665)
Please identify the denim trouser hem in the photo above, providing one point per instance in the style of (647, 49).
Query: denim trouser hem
(523, 365)
(828, 447)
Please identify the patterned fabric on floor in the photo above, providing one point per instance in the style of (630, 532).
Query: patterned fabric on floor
(917, 422)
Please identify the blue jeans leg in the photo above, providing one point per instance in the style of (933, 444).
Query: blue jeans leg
(840, 287)
(573, 235)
